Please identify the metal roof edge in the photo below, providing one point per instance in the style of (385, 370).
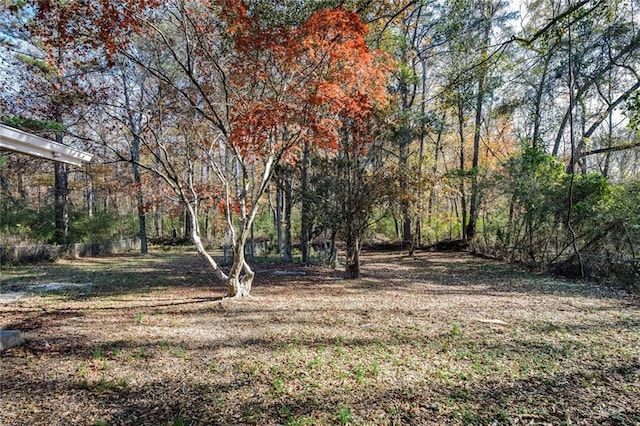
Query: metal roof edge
(19, 141)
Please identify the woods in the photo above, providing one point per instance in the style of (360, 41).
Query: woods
(320, 212)
(512, 126)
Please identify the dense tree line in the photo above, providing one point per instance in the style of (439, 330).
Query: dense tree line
(512, 127)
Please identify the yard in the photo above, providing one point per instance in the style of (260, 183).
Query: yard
(438, 338)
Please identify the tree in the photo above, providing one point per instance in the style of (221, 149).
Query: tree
(56, 48)
(135, 122)
(357, 190)
(256, 92)
(128, 98)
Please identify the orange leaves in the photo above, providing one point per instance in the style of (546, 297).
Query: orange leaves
(257, 126)
(351, 78)
(312, 82)
(335, 32)
(324, 134)
(86, 25)
(249, 33)
(234, 206)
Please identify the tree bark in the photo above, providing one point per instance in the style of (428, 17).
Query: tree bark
(536, 139)
(475, 164)
(278, 219)
(142, 216)
(61, 206)
(241, 275)
(305, 220)
(188, 223)
(352, 260)
(134, 121)
(405, 205)
(287, 216)
(463, 196)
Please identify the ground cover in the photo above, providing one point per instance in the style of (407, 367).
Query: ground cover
(430, 339)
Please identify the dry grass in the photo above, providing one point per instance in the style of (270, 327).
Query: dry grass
(433, 339)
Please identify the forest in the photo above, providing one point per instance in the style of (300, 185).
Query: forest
(506, 127)
(345, 212)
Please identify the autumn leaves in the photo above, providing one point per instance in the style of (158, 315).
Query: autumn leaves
(302, 83)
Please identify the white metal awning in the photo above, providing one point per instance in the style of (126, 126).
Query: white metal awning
(26, 143)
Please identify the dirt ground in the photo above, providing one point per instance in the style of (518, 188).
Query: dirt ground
(425, 340)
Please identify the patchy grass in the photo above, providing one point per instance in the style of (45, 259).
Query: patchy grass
(430, 339)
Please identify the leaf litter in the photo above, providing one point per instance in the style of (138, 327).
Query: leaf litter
(430, 339)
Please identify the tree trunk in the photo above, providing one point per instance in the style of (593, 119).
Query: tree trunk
(352, 260)
(142, 218)
(305, 220)
(287, 217)
(434, 170)
(237, 285)
(475, 188)
(278, 218)
(405, 205)
(407, 228)
(396, 225)
(188, 223)
(333, 250)
(61, 207)
(423, 131)
(135, 125)
(241, 276)
(463, 196)
(90, 197)
(252, 244)
(536, 139)
(158, 221)
(474, 202)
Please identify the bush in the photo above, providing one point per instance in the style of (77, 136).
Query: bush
(604, 224)
(22, 225)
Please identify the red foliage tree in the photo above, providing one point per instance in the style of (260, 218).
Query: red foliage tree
(259, 90)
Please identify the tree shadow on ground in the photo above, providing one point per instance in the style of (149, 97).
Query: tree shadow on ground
(436, 273)
(113, 275)
(463, 273)
(222, 373)
(240, 397)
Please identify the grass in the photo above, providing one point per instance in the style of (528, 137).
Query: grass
(138, 319)
(430, 339)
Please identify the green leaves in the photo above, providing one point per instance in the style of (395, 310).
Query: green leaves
(33, 125)
(632, 111)
(38, 65)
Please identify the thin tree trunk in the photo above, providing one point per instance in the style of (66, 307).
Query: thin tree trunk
(90, 198)
(197, 242)
(536, 139)
(572, 160)
(475, 164)
(287, 217)
(352, 260)
(421, 151)
(475, 192)
(434, 169)
(405, 206)
(279, 193)
(463, 197)
(158, 222)
(142, 216)
(305, 220)
(188, 223)
(61, 206)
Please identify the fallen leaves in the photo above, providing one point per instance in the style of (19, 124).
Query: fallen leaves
(406, 344)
